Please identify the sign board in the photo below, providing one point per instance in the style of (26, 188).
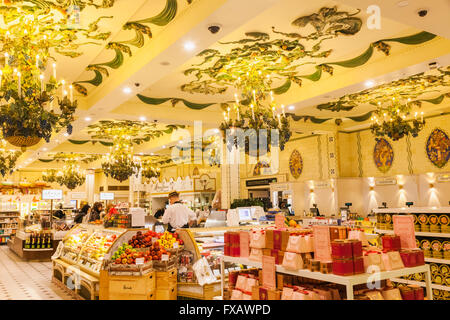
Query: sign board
(78, 195)
(322, 245)
(260, 182)
(385, 181)
(106, 195)
(52, 194)
(268, 272)
(404, 228)
(279, 220)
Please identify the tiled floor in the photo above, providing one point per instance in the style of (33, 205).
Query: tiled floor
(22, 280)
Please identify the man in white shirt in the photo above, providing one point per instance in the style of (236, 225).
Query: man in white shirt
(177, 215)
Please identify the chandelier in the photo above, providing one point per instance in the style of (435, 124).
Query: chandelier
(70, 175)
(119, 163)
(390, 120)
(33, 103)
(255, 108)
(149, 169)
(8, 159)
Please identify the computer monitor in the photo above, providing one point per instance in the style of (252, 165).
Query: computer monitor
(245, 214)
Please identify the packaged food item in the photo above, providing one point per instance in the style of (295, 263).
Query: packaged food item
(416, 222)
(292, 261)
(424, 222)
(408, 258)
(407, 293)
(425, 245)
(444, 221)
(436, 249)
(391, 243)
(341, 249)
(446, 250)
(343, 267)
(434, 223)
(388, 221)
(358, 265)
(418, 292)
(391, 294)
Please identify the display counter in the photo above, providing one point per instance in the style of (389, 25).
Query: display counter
(33, 246)
(78, 259)
(208, 243)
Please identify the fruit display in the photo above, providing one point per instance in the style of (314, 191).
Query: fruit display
(166, 240)
(76, 240)
(97, 245)
(96, 222)
(126, 254)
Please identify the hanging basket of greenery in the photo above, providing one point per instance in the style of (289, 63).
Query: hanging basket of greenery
(23, 142)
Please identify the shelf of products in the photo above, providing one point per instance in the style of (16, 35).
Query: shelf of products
(432, 236)
(9, 223)
(348, 281)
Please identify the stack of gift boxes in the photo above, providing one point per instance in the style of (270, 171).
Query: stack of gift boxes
(347, 257)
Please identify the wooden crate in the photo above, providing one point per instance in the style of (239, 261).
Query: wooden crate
(167, 294)
(132, 287)
(166, 279)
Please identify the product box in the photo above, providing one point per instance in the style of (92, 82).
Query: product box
(343, 267)
(338, 232)
(391, 243)
(408, 258)
(358, 265)
(261, 293)
(284, 280)
(341, 249)
(284, 239)
(356, 248)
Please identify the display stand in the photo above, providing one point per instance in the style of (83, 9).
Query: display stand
(16, 245)
(348, 281)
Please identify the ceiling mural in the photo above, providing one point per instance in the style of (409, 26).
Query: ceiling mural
(280, 56)
(426, 87)
(140, 30)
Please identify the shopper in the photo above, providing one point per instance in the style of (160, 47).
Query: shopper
(59, 214)
(159, 213)
(96, 211)
(178, 215)
(83, 212)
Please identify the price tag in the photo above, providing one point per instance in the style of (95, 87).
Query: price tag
(165, 257)
(154, 240)
(226, 271)
(216, 272)
(175, 245)
(140, 261)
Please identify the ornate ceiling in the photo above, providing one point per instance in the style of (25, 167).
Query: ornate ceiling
(130, 62)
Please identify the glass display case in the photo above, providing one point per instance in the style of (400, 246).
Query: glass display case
(86, 246)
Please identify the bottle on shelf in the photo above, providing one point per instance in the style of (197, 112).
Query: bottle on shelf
(38, 241)
(33, 243)
(27, 243)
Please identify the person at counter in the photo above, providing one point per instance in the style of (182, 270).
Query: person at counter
(83, 212)
(96, 211)
(59, 214)
(177, 215)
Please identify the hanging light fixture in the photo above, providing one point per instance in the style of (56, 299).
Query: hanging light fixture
(255, 108)
(34, 101)
(390, 119)
(119, 163)
(70, 175)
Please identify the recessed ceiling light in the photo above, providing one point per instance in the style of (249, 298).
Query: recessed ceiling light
(180, 141)
(66, 134)
(45, 149)
(165, 63)
(189, 46)
(369, 83)
(403, 3)
(87, 119)
(291, 107)
(152, 154)
(216, 130)
(142, 118)
(127, 90)
(163, 147)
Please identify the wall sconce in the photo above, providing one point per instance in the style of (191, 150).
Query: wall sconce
(371, 188)
(431, 186)
(311, 190)
(332, 189)
(400, 186)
